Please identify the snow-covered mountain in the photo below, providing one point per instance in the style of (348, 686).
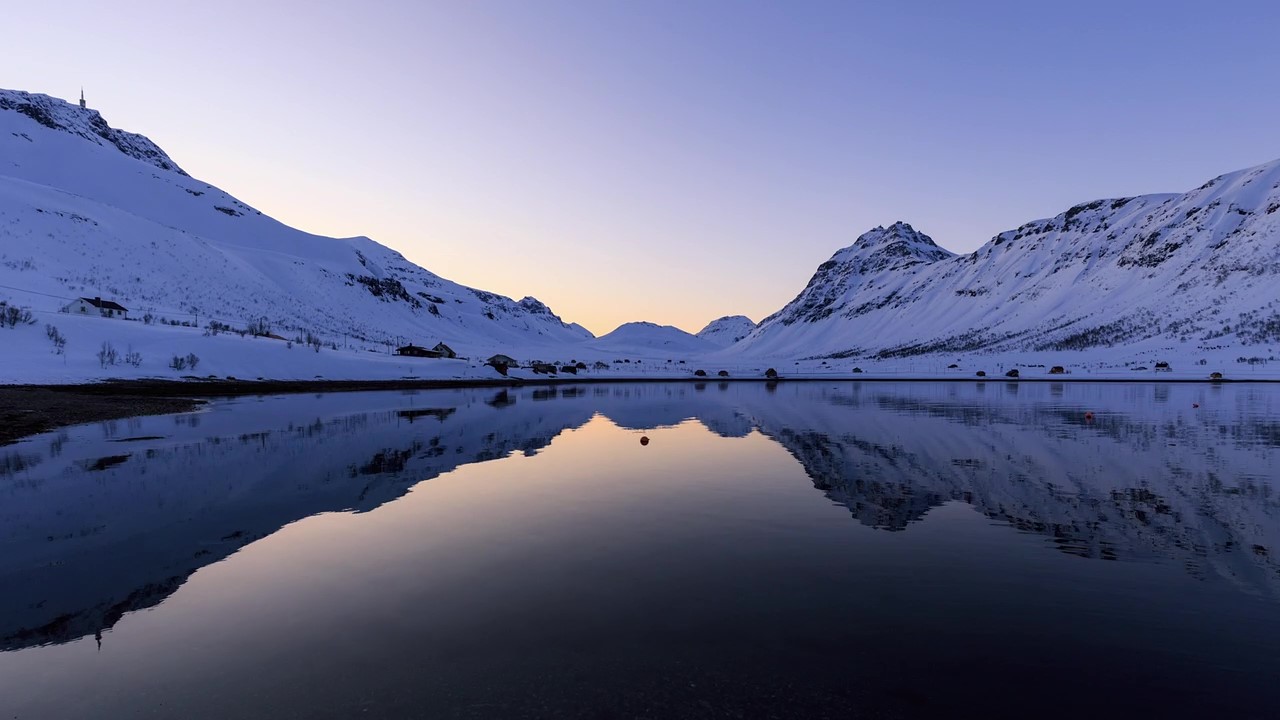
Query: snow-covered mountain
(90, 211)
(727, 330)
(647, 337)
(87, 210)
(1192, 271)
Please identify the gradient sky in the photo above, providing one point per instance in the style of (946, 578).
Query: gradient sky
(670, 161)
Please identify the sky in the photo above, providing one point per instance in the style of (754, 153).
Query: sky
(671, 160)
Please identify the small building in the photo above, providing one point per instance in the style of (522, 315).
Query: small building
(1163, 366)
(444, 351)
(505, 361)
(96, 306)
(1057, 370)
(416, 351)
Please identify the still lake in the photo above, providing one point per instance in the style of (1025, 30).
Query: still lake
(806, 549)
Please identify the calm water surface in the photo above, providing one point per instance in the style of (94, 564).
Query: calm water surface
(803, 550)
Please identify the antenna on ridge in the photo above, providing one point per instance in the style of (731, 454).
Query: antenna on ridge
(82, 105)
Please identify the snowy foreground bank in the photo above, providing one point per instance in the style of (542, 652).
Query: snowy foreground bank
(28, 355)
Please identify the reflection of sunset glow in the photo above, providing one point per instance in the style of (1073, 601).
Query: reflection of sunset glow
(788, 533)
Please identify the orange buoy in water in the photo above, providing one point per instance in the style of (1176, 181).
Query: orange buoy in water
(644, 439)
(1088, 416)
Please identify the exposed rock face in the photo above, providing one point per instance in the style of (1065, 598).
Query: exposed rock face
(57, 114)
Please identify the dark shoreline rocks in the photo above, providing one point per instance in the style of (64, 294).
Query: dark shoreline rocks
(31, 411)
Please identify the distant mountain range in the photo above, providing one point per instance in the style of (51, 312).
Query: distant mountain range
(633, 336)
(89, 210)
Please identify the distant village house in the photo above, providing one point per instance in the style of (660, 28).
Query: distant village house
(501, 363)
(96, 306)
(505, 361)
(415, 351)
(439, 351)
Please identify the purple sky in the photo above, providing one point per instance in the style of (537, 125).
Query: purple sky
(667, 161)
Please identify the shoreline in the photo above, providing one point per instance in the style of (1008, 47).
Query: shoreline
(27, 410)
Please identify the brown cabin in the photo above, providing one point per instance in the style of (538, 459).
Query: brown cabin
(503, 360)
(444, 351)
(1057, 370)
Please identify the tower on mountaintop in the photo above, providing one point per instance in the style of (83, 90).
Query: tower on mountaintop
(82, 105)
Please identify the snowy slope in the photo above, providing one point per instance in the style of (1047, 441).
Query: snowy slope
(86, 210)
(727, 330)
(647, 337)
(1189, 272)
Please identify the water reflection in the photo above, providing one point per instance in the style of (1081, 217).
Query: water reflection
(99, 521)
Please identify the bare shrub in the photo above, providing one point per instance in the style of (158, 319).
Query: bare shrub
(12, 316)
(57, 338)
(107, 355)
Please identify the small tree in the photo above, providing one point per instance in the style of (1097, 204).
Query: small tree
(133, 357)
(57, 338)
(192, 360)
(259, 327)
(107, 354)
(178, 363)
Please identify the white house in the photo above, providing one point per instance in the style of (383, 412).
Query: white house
(96, 306)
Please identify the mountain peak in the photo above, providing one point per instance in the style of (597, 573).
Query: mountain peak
(901, 238)
(727, 330)
(894, 247)
(60, 115)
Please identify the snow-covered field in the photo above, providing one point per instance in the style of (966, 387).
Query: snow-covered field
(230, 355)
(30, 357)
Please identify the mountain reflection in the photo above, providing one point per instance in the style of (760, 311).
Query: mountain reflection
(95, 525)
